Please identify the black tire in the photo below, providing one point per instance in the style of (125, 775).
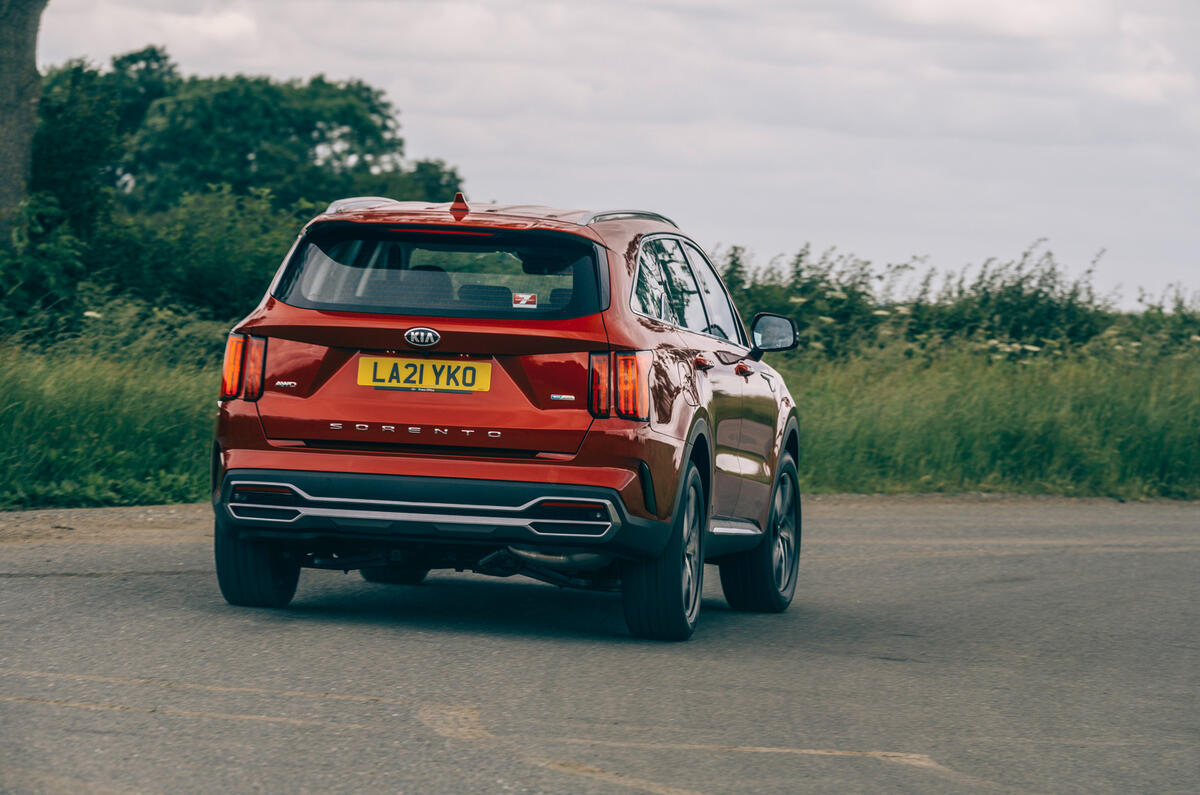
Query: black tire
(763, 579)
(396, 574)
(662, 596)
(252, 573)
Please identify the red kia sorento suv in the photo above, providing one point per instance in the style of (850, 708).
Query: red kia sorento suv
(565, 395)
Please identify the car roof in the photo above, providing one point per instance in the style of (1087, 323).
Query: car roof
(378, 209)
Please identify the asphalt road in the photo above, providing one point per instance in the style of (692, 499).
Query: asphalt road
(935, 644)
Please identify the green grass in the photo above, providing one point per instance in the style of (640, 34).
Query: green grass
(78, 429)
(1114, 426)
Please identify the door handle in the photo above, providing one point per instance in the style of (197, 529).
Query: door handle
(744, 369)
(700, 363)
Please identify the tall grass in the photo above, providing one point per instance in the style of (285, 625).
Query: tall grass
(1085, 425)
(77, 429)
(80, 429)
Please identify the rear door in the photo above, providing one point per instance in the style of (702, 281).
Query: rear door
(721, 343)
(401, 339)
(708, 362)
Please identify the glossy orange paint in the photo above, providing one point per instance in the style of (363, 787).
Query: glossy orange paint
(313, 416)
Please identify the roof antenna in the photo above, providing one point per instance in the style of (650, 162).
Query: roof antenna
(458, 207)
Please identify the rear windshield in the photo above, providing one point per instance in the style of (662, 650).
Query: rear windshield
(355, 268)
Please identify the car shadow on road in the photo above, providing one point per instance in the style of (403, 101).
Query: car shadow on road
(458, 603)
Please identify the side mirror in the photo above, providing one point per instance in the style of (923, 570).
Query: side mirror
(771, 332)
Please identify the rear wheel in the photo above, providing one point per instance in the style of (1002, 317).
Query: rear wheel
(396, 574)
(252, 573)
(763, 579)
(662, 596)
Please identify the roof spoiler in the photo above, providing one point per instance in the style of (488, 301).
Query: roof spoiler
(358, 203)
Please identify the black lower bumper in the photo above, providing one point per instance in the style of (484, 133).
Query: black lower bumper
(395, 510)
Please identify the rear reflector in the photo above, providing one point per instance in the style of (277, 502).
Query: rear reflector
(633, 392)
(231, 370)
(256, 360)
(598, 381)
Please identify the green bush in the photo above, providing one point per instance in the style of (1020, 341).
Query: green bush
(843, 305)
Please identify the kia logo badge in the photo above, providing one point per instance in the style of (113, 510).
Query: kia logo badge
(422, 337)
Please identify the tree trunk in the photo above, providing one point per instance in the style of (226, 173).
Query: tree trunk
(20, 87)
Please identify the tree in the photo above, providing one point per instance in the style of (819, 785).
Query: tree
(316, 140)
(19, 91)
(77, 142)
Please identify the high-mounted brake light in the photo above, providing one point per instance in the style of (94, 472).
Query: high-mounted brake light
(255, 363)
(632, 396)
(231, 370)
(598, 381)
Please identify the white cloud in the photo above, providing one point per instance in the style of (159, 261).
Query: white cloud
(958, 128)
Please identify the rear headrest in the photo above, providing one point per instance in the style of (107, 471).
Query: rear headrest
(428, 284)
(492, 295)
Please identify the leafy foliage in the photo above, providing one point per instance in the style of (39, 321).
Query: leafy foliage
(187, 191)
(1018, 308)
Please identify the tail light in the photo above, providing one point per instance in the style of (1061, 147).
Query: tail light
(256, 359)
(244, 357)
(598, 383)
(231, 370)
(633, 389)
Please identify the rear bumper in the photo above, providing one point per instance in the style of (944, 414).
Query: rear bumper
(303, 506)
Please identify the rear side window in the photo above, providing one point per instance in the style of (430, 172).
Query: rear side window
(650, 291)
(360, 268)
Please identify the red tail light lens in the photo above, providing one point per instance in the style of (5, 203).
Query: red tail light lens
(231, 370)
(256, 359)
(633, 388)
(598, 381)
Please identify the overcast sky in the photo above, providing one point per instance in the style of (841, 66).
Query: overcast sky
(956, 130)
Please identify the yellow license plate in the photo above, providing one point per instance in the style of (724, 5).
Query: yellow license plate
(424, 375)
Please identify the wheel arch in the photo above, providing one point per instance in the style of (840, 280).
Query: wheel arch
(698, 451)
(791, 437)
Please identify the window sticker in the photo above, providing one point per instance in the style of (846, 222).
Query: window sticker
(525, 300)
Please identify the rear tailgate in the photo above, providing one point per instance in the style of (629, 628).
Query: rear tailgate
(501, 367)
(535, 398)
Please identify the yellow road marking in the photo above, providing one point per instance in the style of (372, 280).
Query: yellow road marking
(916, 760)
(209, 688)
(587, 771)
(463, 723)
(186, 713)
